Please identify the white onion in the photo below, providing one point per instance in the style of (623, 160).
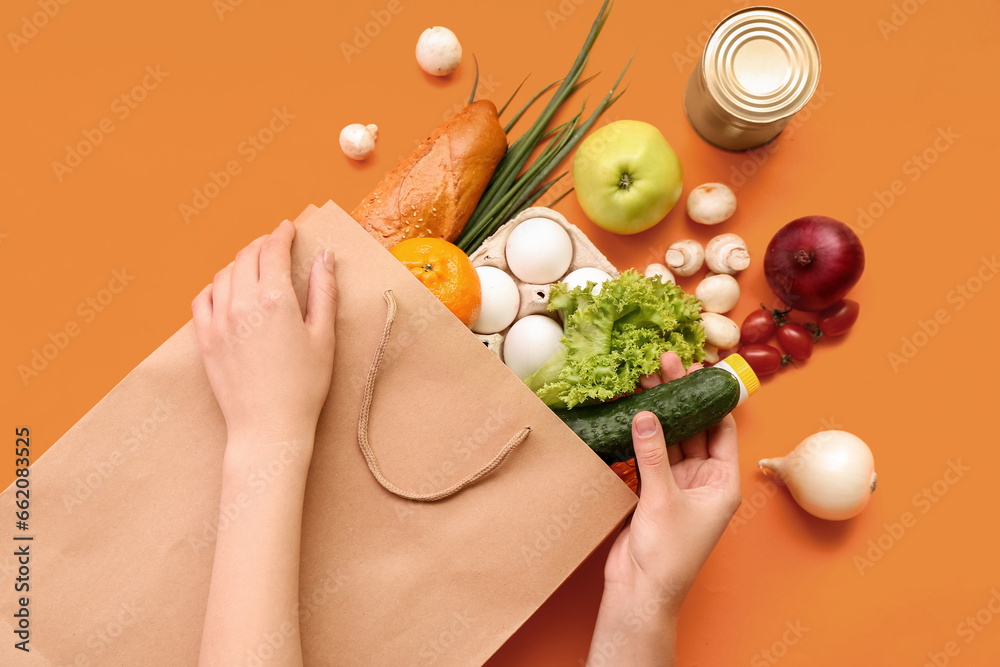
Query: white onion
(831, 474)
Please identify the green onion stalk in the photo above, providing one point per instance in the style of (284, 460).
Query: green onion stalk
(515, 184)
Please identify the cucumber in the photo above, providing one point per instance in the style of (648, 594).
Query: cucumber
(685, 406)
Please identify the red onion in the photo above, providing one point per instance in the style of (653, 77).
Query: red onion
(812, 262)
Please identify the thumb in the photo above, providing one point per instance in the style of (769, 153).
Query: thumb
(651, 456)
(321, 302)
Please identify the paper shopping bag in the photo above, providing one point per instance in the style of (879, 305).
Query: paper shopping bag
(125, 506)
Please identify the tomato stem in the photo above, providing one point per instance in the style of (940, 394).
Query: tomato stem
(814, 329)
(778, 314)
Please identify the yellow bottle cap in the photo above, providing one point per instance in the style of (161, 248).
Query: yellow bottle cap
(744, 372)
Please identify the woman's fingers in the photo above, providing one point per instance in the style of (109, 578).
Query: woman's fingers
(671, 366)
(246, 266)
(321, 301)
(723, 443)
(695, 448)
(650, 381)
(201, 310)
(221, 289)
(276, 256)
(651, 457)
(675, 455)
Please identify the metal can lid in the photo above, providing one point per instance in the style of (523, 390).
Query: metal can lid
(761, 64)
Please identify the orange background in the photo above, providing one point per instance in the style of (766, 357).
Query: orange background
(890, 88)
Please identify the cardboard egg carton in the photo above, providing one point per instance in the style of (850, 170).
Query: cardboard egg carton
(535, 298)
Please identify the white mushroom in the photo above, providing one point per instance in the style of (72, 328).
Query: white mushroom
(727, 253)
(711, 354)
(438, 51)
(660, 271)
(718, 292)
(720, 331)
(358, 141)
(711, 203)
(685, 257)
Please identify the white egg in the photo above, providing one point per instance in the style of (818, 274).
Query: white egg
(539, 251)
(501, 300)
(530, 342)
(580, 277)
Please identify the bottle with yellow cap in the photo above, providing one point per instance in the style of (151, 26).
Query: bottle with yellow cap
(685, 407)
(738, 366)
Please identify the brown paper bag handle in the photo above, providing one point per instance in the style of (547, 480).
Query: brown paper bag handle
(366, 449)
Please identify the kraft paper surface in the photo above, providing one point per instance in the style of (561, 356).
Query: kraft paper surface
(127, 510)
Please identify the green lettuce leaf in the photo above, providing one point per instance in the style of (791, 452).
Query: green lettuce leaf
(612, 338)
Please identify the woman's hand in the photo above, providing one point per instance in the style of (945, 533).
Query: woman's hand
(269, 367)
(687, 496)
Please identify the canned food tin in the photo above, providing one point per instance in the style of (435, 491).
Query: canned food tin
(760, 66)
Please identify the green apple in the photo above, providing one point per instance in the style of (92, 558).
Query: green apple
(627, 176)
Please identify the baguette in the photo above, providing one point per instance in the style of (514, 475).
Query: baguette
(436, 188)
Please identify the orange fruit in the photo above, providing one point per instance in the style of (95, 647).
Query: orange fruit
(446, 271)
